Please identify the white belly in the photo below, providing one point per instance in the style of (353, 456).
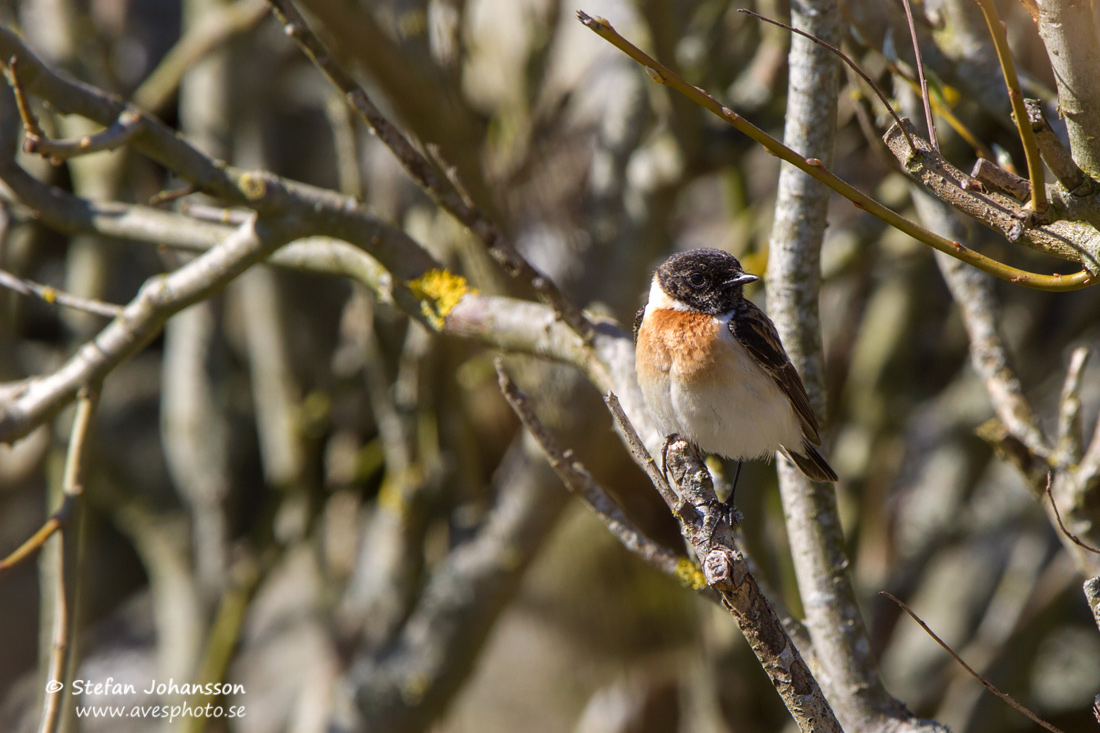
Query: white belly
(736, 411)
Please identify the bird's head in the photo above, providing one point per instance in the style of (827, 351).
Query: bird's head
(703, 280)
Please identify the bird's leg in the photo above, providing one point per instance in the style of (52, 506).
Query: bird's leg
(733, 486)
(669, 440)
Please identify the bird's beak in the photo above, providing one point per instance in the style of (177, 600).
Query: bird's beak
(743, 279)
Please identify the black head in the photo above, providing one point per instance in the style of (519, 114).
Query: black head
(705, 280)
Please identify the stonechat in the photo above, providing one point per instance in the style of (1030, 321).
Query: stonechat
(712, 368)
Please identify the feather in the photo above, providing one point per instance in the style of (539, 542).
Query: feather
(752, 328)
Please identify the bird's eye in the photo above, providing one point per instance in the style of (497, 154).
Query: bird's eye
(697, 280)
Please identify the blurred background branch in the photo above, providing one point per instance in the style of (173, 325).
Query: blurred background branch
(304, 479)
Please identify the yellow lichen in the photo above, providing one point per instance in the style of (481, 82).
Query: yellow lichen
(439, 292)
(690, 574)
(252, 186)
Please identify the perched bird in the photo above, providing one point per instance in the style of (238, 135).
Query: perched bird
(712, 368)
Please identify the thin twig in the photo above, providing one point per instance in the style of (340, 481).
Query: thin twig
(36, 541)
(214, 29)
(158, 300)
(1069, 445)
(579, 481)
(128, 124)
(1057, 515)
(1019, 113)
(988, 685)
(814, 168)
(939, 107)
(164, 197)
(73, 488)
(1054, 153)
(441, 191)
(58, 297)
(929, 122)
(640, 454)
(847, 59)
(30, 122)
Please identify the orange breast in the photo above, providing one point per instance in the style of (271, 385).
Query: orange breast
(678, 341)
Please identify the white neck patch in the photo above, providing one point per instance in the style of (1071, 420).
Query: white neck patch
(659, 299)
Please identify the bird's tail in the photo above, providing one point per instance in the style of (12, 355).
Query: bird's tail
(811, 463)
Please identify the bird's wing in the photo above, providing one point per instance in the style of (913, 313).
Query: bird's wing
(752, 328)
(638, 323)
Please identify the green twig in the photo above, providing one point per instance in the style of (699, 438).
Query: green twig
(1019, 113)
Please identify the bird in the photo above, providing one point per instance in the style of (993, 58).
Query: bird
(712, 369)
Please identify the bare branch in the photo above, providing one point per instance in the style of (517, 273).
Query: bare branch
(1092, 595)
(64, 602)
(846, 59)
(1069, 32)
(1039, 202)
(1069, 442)
(213, 30)
(641, 456)
(52, 296)
(441, 191)
(704, 523)
(579, 481)
(122, 131)
(1072, 537)
(1061, 163)
(989, 355)
(986, 683)
(159, 299)
(1070, 240)
(814, 167)
(1000, 180)
(157, 140)
(928, 121)
(841, 644)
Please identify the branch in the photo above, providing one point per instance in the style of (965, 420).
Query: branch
(580, 482)
(122, 131)
(1068, 240)
(1061, 163)
(1069, 445)
(445, 194)
(1019, 114)
(986, 683)
(52, 296)
(993, 176)
(157, 140)
(1061, 525)
(213, 30)
(382, 257)
(814, 167)
(59, 662)
(160, 298)
(989, 355)
(851, 64)
(928, 121)
(705, 524)
(1092, 595)
(836, 626)
(1068, 30)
